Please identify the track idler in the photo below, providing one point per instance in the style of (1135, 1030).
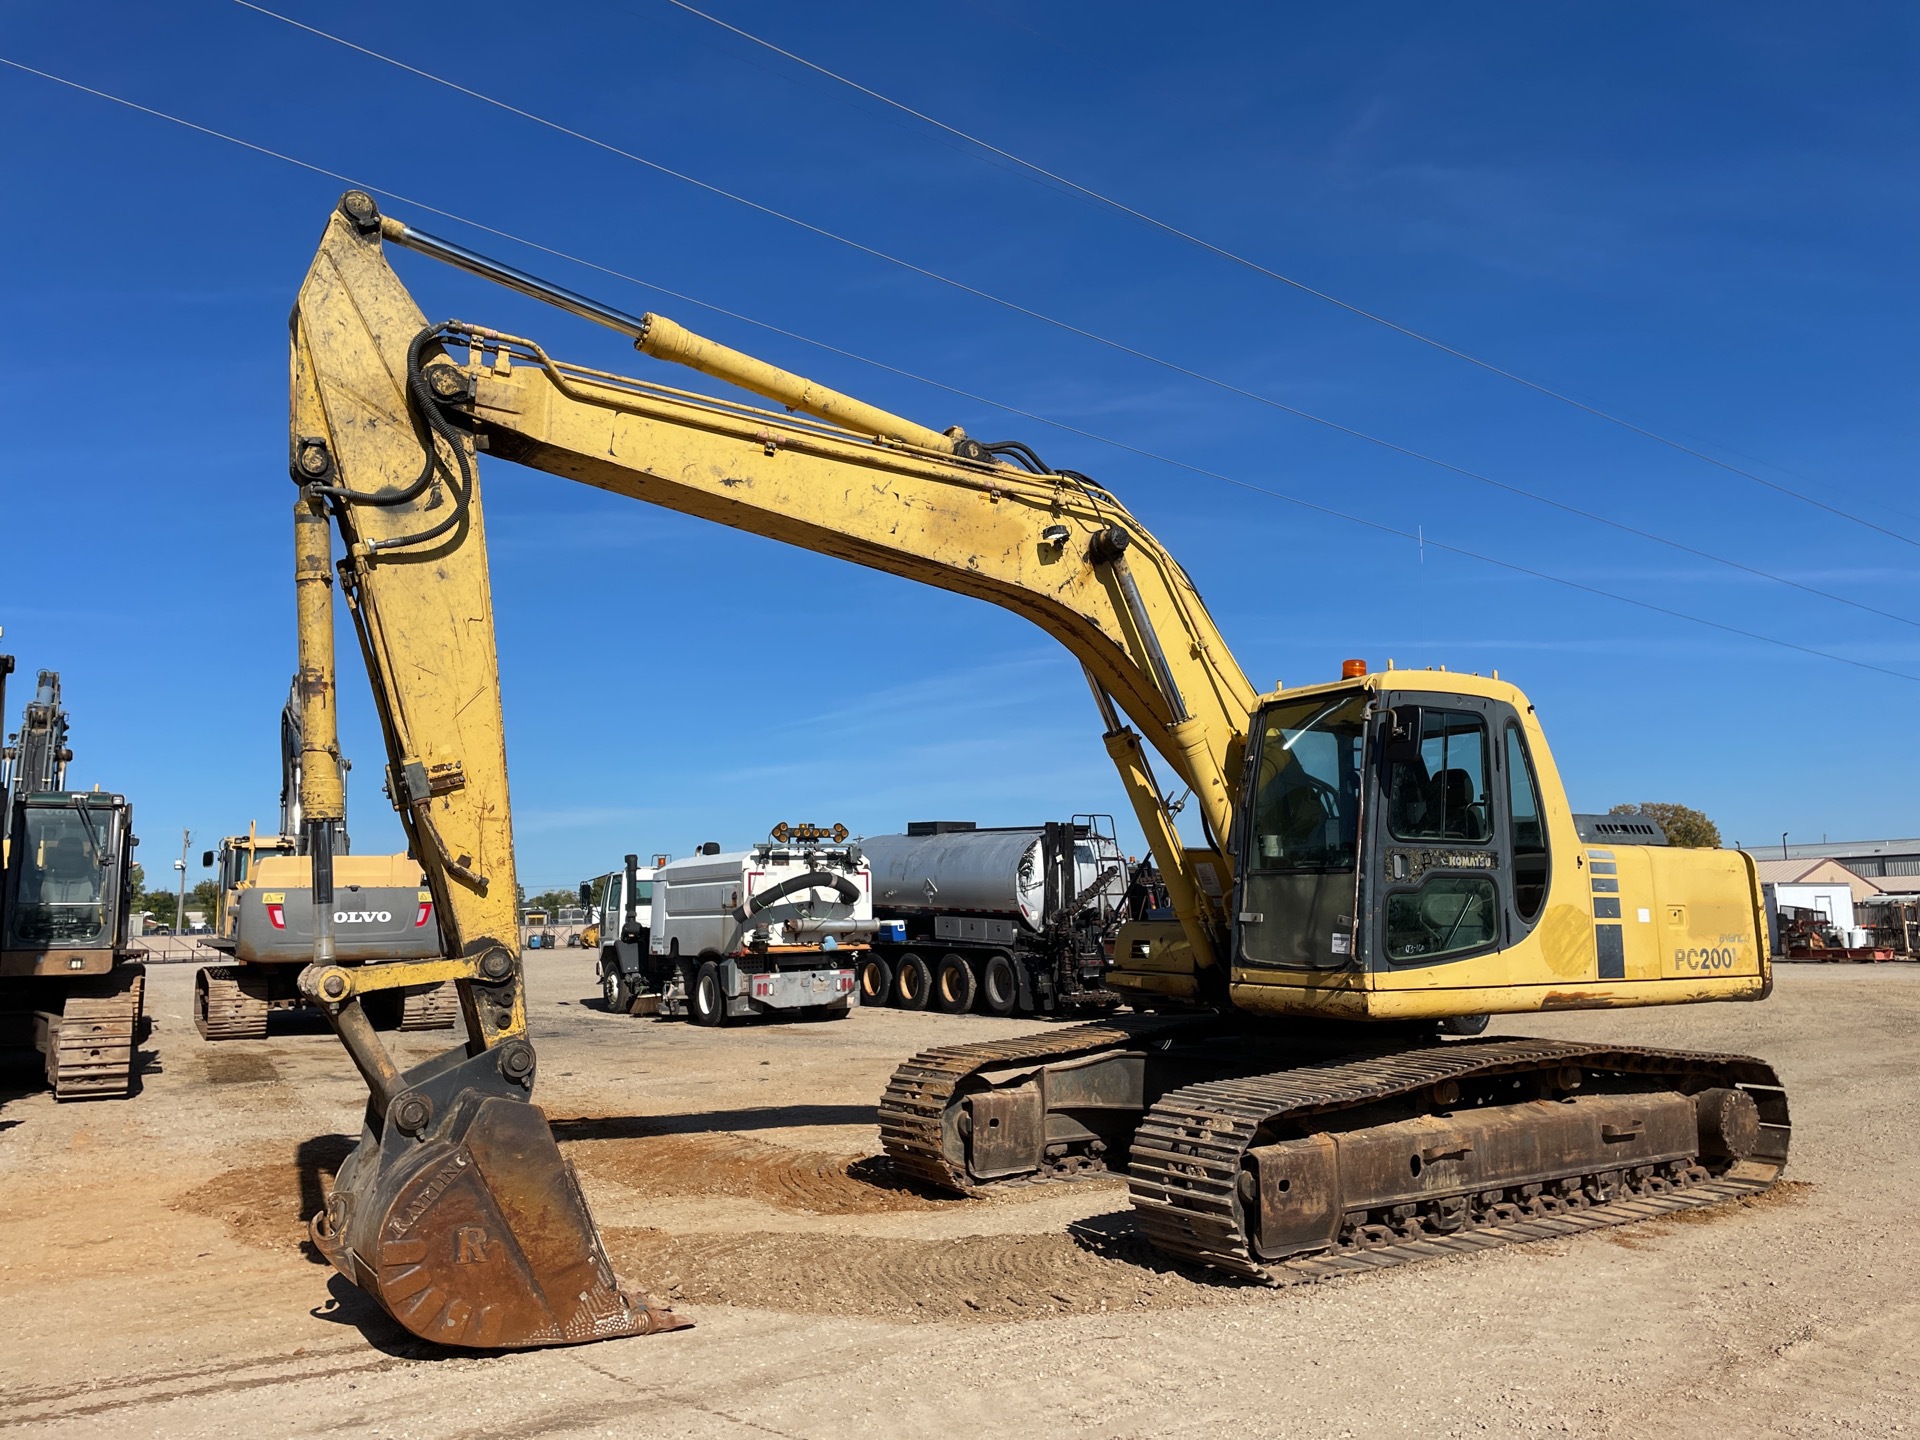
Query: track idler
(458, 1213)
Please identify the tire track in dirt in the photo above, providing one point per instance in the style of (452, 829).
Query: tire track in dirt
(989, 1278)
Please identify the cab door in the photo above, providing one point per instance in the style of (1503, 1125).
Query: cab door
(613, 912)
(1441, 886)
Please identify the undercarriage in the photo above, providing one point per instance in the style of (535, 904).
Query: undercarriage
(1291, 1157)
(88, 1030)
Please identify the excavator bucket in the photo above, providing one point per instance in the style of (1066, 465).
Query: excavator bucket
(469, 1226)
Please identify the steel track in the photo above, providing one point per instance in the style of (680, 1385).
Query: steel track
(434, 1009)
(1186, 1155)
(918, 1095)
(1187, 1152)
(91, 1043)
(224, 1009)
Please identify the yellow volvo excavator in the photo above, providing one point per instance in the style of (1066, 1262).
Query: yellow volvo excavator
(1388, 856)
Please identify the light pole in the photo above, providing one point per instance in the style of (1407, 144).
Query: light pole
(180, 904)
(1783, 844)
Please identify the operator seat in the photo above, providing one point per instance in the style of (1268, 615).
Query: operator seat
(68, 876)
(1462, 818)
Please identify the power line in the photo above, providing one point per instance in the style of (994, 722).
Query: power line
(1326, 510)
(1120, 347)
(1154, 222)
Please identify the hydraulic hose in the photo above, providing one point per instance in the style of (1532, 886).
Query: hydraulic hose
(813, 879)
(427, 407)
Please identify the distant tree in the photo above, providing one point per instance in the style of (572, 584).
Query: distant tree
(157, 903)
(205, 897)
(551, 900)
(1684, 826)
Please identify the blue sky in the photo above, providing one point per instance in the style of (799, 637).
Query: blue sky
(1702, 219)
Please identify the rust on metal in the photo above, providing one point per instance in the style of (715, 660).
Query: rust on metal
(1215, 1167)
(921, 1114)
(90, 1041)
(477, 1235)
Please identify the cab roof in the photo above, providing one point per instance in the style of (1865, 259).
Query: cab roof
(1439, 682)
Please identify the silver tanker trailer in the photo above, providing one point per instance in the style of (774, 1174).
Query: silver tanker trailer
(1013, 920)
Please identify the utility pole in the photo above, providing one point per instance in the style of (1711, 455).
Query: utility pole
(180, 905)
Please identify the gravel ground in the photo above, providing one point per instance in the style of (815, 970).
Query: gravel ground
(153, 1279)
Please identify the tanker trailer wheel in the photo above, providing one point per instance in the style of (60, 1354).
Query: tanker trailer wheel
(614, 995)
(954, 985)
(706, 1005)
(912, 982)
(876, 981)
(999, 985)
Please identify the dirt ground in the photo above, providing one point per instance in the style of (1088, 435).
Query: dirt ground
(153, 1279)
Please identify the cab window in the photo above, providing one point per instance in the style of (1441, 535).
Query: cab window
(1530, 869)
(1302, 844)
(1440, 792)
(1307, 785)
(1448, 915)
(66, 864)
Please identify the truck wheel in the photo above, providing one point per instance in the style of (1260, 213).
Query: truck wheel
(954, 985)
(876, 981)
(614, 995)
(1464, 1024)
(999, 985)
(912, 982)
(705, 1004)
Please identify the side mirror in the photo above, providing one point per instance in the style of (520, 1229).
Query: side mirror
(586, 892)
(1400, 741)
(206, 859)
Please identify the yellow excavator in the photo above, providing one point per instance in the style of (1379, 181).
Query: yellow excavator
(265, 926)
(1387, 857)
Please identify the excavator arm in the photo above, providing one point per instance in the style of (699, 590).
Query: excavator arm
(372, 380)
(456, 1210)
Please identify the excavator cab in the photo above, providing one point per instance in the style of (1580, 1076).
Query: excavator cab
(66, 892)
(1408, 853)
(237, 858)
(1405, 852)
